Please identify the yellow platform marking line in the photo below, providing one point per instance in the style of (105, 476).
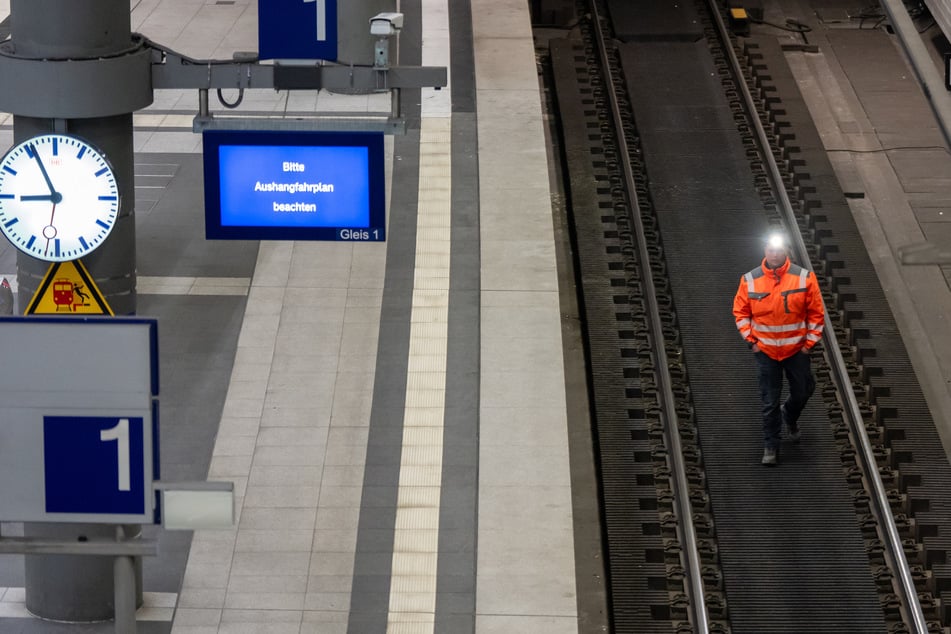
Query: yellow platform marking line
(412, 606)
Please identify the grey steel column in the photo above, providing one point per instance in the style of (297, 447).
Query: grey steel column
(928, 76)
(354, 42)
(75, 588)
(83, 29)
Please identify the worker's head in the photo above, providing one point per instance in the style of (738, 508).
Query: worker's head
(777, 249)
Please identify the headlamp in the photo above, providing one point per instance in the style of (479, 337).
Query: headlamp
(776, 241)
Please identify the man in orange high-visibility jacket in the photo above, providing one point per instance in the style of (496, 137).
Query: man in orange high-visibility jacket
(779, 312)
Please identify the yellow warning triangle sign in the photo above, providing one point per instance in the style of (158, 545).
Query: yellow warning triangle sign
(68, 289)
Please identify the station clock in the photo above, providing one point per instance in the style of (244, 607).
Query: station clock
(59, 199)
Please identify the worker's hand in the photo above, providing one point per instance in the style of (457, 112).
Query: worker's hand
(805, 351)
(755, 348)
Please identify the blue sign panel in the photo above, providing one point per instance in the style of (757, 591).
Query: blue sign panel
(297, 29)
(294, 186)
(94, 464)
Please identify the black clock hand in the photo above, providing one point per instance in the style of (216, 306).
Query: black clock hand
(46, 177)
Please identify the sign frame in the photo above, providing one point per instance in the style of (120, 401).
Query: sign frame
(217, 141)
(86, 371)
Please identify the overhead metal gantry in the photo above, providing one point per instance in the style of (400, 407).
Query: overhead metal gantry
(121, 83)
(174, 70)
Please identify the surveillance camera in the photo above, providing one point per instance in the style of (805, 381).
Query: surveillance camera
(386, 23)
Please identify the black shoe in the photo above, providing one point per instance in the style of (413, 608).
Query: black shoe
(795, 435)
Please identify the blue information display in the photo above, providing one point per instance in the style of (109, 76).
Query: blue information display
(294, 186)
(297, 29)
(94, 464)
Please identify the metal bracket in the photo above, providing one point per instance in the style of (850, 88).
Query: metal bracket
(174, 70)
(328, 122)
(95, 546)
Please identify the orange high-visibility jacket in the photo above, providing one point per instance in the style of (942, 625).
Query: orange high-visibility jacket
(780, 310)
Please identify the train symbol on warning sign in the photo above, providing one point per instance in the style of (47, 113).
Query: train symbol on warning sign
(68, 296)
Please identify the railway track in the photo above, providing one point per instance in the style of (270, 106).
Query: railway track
(665, 216)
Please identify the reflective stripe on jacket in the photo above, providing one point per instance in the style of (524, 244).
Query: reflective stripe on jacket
(780, 310)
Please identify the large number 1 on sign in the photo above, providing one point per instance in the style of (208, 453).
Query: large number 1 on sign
(120, 433)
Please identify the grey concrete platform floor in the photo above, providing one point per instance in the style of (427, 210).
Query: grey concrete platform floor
(883, 140)
(393, 415)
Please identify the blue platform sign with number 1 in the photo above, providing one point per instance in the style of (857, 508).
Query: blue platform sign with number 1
(94, 464)
(297, 29)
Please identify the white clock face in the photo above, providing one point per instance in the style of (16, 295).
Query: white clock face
(58, 197)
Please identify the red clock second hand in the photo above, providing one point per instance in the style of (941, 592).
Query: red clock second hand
(52, 213)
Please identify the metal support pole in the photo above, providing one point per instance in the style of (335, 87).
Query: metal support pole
(125, 590)
(935, 91)
(66, 587)
(931, 81)
(395, 92)
(203, 102)
(395, 103)
(87, 31)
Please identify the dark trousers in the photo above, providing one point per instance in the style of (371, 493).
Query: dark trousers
(798, 371)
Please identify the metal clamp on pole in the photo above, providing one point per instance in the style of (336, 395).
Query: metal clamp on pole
(94, 86)
(94, 547)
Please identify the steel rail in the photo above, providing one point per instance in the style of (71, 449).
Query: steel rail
(908, 594)
(680, 486)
